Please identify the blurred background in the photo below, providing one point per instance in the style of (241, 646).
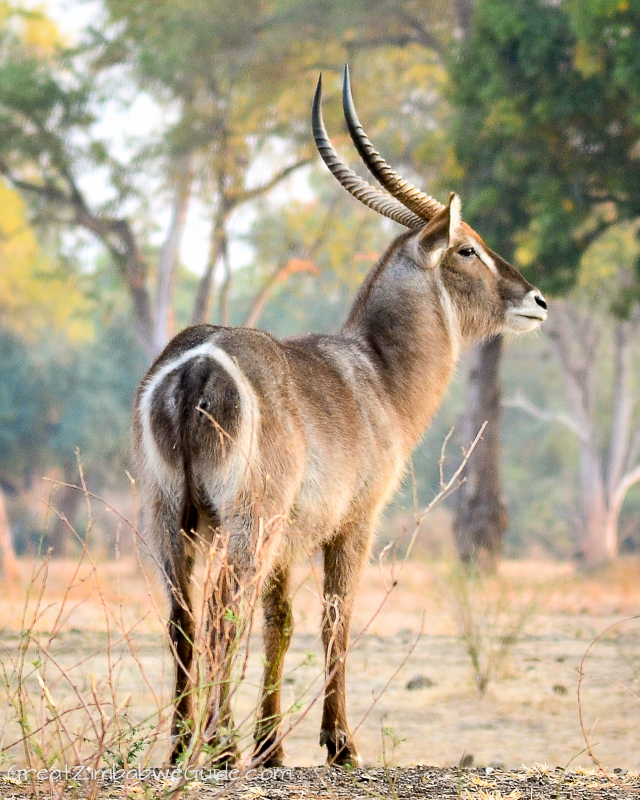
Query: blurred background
(157, 169)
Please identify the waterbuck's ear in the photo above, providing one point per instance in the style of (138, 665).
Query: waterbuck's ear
(437, 236)
(454, 216)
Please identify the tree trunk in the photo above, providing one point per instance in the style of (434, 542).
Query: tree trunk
(464, 13)
(606, 473)
(480, 517)
(610, 538)
(217, 246)
(604, 484)
(224, 310)
(65, 502)
(8, 561)
(591, 536)
(169, 255)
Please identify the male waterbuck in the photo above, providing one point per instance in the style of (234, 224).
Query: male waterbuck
(263, 449)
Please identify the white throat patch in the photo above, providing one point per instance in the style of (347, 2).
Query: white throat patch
(452, 324)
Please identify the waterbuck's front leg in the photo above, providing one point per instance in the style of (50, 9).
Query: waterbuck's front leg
(344, 557)
(277, 632)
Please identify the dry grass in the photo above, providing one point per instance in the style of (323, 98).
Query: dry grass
(529, 712)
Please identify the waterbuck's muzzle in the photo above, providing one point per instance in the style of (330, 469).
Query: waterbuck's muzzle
(528, 314)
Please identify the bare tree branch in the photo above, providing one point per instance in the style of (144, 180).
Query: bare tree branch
(633, 452)
(628, 480)
(225, 287)
(588, 238)
(622, 406)
(250, 194)
(115, 234)
(575, 341)
(464, 12)
(217, 245)
(422, 37)
(521, 402)
(282, 274)
(421, 34)
(168, 258)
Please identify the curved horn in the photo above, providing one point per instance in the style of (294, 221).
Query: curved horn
(423, 205)
(373, 198)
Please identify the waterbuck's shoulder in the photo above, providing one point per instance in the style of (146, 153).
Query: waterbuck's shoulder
(340, 356)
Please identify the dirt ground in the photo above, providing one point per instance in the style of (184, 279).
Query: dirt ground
(316, 783)
(412, 690)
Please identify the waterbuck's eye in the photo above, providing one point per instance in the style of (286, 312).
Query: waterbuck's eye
(466, 252)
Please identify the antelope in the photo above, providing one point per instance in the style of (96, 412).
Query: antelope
(267, 448)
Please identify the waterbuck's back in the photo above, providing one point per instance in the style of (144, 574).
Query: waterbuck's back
(296, 432)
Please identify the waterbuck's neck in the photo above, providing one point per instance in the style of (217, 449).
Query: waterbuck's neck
(400, 316)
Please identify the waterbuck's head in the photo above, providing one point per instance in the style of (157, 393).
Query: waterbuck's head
(479, 292)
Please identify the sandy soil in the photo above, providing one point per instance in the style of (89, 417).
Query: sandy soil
(528, 715)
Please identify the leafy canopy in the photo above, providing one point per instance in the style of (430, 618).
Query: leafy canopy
(548, 128)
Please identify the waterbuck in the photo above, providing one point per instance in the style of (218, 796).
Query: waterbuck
(263, 448)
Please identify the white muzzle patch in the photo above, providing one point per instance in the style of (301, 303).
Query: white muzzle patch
(527, 316)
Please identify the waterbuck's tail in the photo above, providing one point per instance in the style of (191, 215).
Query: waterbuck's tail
(195, 412)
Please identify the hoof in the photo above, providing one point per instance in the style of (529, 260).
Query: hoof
(341, 749)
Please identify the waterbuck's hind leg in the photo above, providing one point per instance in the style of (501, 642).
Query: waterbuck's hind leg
(223, 610)
(246, 548)
(277, 632)
(344, 557)
(177, 567)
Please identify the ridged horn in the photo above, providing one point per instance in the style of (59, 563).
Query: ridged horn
(369, 195)
(410, 197)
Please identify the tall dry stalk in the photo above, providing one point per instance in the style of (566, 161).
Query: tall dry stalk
(62, 711)
(490, 613)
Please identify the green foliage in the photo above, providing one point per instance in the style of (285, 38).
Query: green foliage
(57, 396)
(607, 32)
(24, 412)
(546, 128)
(41, 97)
(209, 62)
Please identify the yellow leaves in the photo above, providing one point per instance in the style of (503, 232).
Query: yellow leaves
(588, 60)
(607, 263)
(33, 298)
(451, 167)
(505, 117)
(38, 32)
(526, 250)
